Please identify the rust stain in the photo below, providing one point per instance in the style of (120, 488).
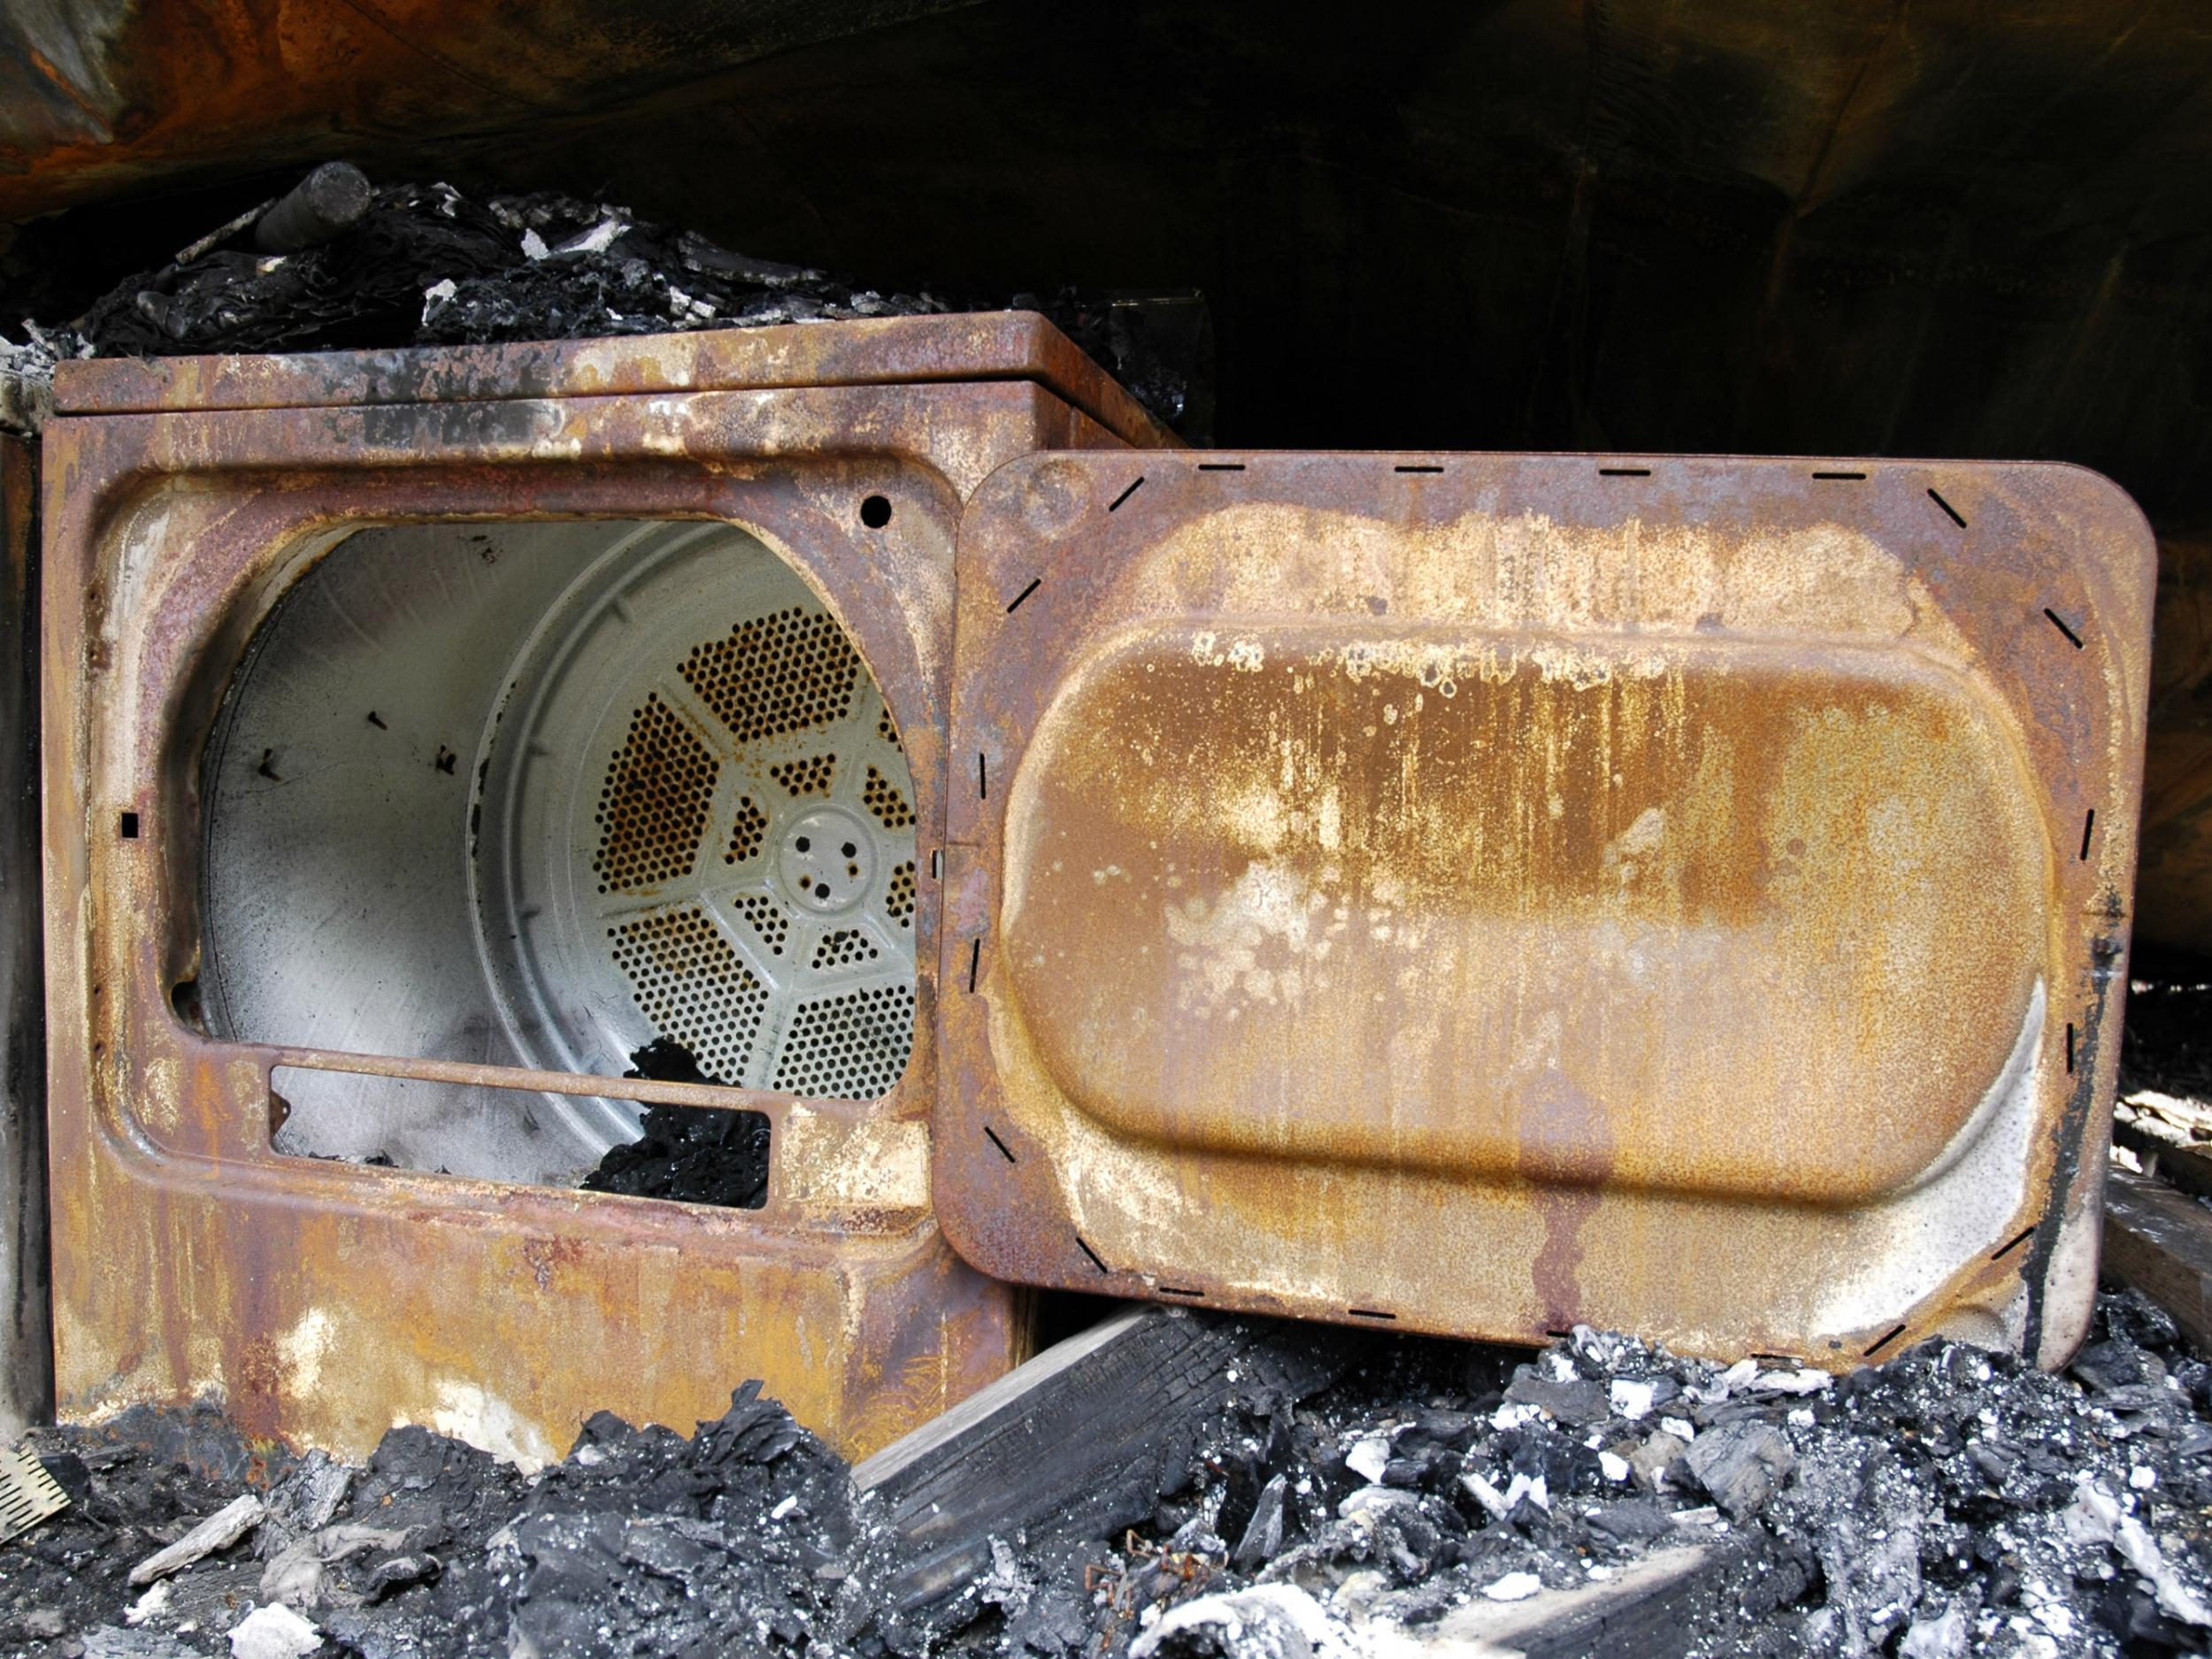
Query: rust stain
(1570, 1184)
(546, 1257)
(1453, 888)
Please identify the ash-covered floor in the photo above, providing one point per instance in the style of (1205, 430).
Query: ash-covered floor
(1949, 1502)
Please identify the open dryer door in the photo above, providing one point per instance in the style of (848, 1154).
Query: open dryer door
(1484, 893)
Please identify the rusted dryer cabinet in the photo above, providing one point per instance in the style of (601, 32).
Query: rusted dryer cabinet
(1464, 893)
(1484, 893)
(323, 1299)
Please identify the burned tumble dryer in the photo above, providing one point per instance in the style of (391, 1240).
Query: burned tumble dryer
(1466, 894)
(436, 738)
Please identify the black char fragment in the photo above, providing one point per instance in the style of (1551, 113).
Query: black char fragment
(699, 1154)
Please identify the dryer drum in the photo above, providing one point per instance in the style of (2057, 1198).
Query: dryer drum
(544, 794)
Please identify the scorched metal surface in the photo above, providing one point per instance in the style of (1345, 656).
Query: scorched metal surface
(1485, 893)
(324, 1300)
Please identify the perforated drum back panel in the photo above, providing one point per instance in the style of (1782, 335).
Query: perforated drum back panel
(791, 672)
(752, 842)
(1489, 893)
(653, 808)
(692, 986)
(852, 1046)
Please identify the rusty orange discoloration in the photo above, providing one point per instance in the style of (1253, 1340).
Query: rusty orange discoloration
(982, 346)
(1533, 894)
(1566, 887)
(326, 1301)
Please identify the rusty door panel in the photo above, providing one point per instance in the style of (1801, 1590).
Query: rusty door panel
(1554, 856)
(1490, 893)
(323, 1302)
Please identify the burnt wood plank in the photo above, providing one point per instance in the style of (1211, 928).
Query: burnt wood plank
(2189, 1167)
(1642, 1612)
(1075, 1444)
(2160, 1241)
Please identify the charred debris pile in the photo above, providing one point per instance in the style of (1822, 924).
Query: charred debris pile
(1599, 1496)
(695, 1154)
(339, 264)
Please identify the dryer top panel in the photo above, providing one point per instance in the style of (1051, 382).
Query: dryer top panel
(875, 351)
